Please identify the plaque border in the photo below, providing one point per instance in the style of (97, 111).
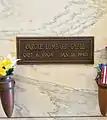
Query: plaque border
(60, 38)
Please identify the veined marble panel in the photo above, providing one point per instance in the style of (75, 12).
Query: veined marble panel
(73, 17)
(45, 99)
(53, 90)
(40, 98)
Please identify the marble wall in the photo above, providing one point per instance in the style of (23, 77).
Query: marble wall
(45, 91)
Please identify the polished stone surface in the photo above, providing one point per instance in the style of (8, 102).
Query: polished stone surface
(54, 90)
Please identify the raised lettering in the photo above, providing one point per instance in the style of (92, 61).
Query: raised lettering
(63, 46)
(64, 54)
(73, 54)
(47, 54)
(77, 46)
(82, 54)
(37, 55)
(27, 55)
(40, 46)
(43, 54)
(27, 46)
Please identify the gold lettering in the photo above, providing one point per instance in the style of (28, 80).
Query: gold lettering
(63, 46)
(55, 46)
(40, 46)
(33, 46)
(73, 54)
(52, 46)
(27, 46)
(64, 54)
(43, 54)
(27, 55)
(82, 54)
(37, 55)
(45, 46)
(85, 54)
(77, 46)
(79, 54)
(48, 46)
(47, 54)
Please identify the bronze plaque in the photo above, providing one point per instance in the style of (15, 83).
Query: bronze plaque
(38, 50)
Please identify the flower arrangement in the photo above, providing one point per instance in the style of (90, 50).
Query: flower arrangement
(7, 66)
(101, 78)
(7, 83)
(100, 66)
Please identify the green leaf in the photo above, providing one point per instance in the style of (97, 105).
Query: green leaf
(10, 71)
(98, 69)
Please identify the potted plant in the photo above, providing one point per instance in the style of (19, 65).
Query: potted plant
(7, 84)
(101, 81)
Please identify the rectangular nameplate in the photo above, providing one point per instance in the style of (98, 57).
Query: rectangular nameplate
(71, 50)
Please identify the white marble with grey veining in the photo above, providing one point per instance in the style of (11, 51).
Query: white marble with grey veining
(71, 17)
(54, 90)
(61, 100)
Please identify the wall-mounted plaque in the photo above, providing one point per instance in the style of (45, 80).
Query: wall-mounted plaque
(40, 50)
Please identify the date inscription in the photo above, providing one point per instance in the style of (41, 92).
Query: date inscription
(34, 50)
